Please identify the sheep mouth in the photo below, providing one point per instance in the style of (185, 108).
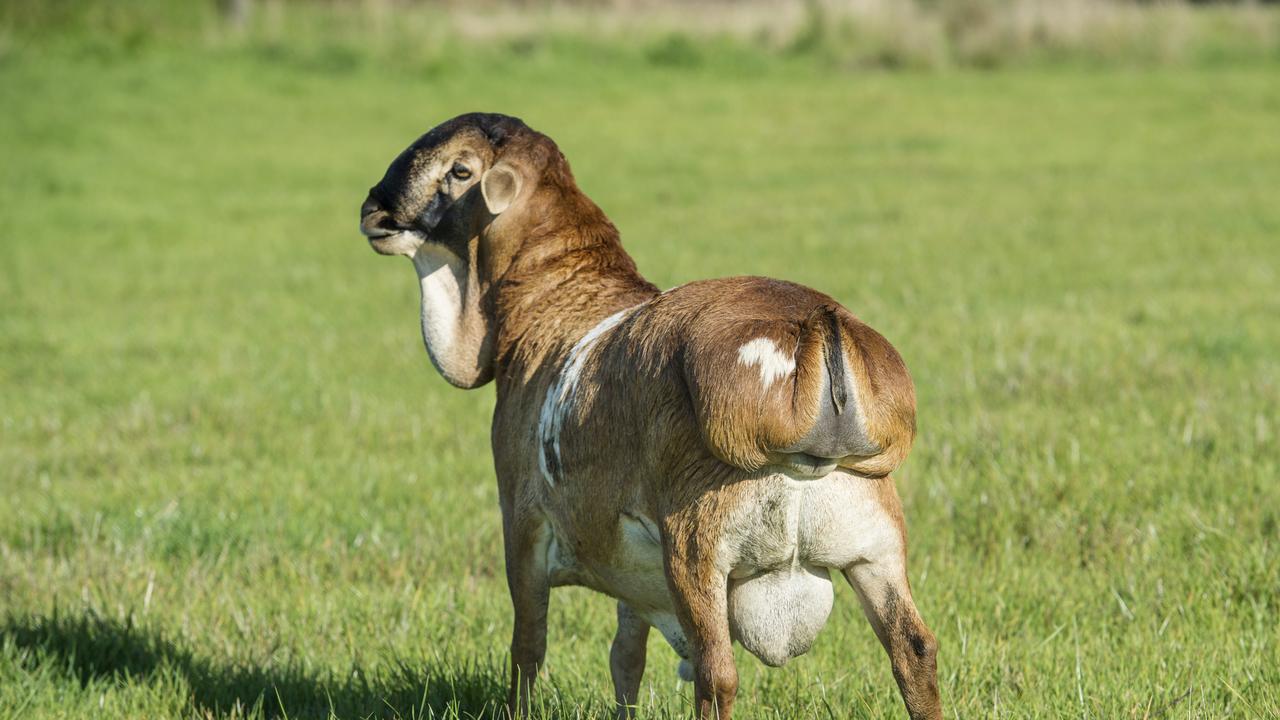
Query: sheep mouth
(394, 242)
(385, 235)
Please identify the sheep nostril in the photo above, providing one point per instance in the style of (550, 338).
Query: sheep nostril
(376, 222)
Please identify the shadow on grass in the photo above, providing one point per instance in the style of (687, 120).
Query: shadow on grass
(88, 649)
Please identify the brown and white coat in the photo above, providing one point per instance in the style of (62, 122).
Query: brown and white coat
(707, 455)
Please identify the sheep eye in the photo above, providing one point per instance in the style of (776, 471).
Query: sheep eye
(460, 171)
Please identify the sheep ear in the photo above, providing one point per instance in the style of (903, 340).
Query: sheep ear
(500, 185)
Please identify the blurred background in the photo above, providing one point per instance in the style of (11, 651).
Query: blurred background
(232, 486)
(418, 34)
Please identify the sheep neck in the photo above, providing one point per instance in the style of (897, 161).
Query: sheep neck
(559, 290)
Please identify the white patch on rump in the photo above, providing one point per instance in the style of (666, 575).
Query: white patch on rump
(555, 406)
(774, 364)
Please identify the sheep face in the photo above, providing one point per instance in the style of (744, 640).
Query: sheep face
(427, 194)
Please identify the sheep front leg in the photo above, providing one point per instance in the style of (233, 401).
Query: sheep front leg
(526, 548)
(626, 659)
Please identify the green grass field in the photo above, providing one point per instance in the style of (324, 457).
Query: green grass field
(233, 486)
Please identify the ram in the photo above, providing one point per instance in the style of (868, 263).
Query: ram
(709, 456)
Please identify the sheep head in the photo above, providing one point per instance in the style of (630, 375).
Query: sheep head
(446, 186)
(438, 204)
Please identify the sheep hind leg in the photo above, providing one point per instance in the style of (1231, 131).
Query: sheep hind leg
(700, 595)
(886, 601)
(627, 659)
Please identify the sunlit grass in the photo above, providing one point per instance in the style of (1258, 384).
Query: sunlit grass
(233, 486)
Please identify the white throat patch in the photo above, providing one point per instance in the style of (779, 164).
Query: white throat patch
(556, 404)
(441, 275)
(774, 364)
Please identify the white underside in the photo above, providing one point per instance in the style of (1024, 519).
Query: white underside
(779, 553)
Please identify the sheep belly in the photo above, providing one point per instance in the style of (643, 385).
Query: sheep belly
(776, 615)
